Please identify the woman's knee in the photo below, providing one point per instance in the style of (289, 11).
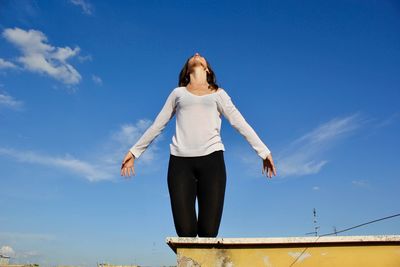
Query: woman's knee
(186, 232)
(208, 232)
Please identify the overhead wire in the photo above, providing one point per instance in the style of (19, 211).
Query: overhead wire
(344, 230)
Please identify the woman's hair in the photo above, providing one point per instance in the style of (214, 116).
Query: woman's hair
(184, 76)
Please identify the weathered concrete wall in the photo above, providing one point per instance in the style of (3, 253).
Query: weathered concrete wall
(382, 251)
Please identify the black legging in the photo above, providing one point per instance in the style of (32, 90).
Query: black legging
(204, 177)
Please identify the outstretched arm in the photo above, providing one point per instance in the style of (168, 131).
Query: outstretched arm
(235, 118)
(165, 115)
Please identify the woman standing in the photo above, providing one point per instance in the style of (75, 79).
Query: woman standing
(196, 165)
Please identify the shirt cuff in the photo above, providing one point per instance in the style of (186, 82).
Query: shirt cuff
(133, 152)
(265, 154)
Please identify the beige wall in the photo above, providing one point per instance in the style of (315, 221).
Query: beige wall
(366, 251)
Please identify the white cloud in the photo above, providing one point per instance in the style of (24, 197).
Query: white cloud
(315, 188)
(330, 130)
(90, 171)
(10, 252)
(85, 58)
(7, 64)
(97, 80)
(7, 251)
(129, 133)
(41, 57)
(10, 102)
(360, 183)
(388, 121)
(298, 165)
(105, 163)
(126, 136)
(304, 155)
(87, 8)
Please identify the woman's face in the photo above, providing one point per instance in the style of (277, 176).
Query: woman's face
(197, 60)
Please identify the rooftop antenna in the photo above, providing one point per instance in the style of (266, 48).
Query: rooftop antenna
(315, 224)
(335, 230)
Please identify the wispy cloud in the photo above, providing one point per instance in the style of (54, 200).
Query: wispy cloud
(97, 80)
(126, 136)
(361, 183)
(86, 7)
(89, 170)
(23, 12)
(388, 121)
(85, 58)
(10, 102)
(305, 155)
(104, 164)
(4, 64)
(41, 57)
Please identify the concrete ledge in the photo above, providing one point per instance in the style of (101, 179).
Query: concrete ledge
(374, 250)
(176, 242)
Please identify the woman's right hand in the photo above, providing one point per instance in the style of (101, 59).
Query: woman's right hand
(127, 165)
(269, 166)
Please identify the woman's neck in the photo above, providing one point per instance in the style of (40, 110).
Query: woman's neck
(198, 76)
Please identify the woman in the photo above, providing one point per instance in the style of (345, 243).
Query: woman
(196, 165)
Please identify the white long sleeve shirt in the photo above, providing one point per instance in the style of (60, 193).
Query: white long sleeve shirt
(198, 124)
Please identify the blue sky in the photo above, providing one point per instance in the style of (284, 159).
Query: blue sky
(80, 81)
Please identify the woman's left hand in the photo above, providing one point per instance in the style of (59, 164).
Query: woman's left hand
(268, 166)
